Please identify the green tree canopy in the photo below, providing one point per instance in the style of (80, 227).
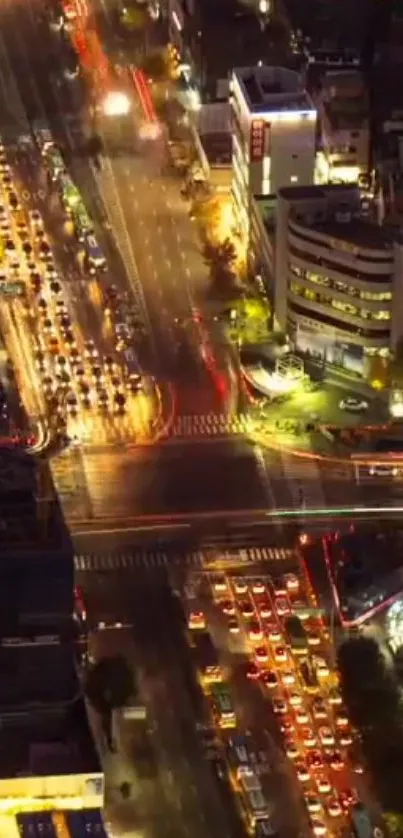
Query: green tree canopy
(110, 684)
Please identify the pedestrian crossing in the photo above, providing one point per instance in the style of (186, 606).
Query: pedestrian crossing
(304, 481)
(210, 425)
(197, 560)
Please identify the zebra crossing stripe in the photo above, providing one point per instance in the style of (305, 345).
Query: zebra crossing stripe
(197, 559)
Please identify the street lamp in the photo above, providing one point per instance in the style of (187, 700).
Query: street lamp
(116, 104)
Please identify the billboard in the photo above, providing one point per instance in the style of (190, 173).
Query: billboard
(257, 140)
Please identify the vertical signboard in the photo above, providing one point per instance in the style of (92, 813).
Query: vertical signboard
(257, 140)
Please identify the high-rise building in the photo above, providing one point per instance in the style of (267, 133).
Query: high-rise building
(273, 130)
(48, 757)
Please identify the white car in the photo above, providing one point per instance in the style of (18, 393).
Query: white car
(383, 470)
(326, 736)
(352, 405)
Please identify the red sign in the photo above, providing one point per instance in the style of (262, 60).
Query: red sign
(257, 132)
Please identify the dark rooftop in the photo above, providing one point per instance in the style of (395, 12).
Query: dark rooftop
(50, 744)
(356, 231)
(36, 673)
(301, 193)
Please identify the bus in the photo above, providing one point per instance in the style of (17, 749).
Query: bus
(239, 754)
(69, 194)
(94, 256)
(296, 636)
(206, 658)
(223, 706)
(55, 162)
(256, 808)
(82, 222)
(247, 780)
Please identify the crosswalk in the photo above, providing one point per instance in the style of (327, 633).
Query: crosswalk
(210, 425)
(197, 560)
(304, 482)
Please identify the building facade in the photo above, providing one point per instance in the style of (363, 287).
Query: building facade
(273, 134)
(336, 278)
(343, 114)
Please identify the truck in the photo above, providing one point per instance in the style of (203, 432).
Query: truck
(296, 636)
(206, 658)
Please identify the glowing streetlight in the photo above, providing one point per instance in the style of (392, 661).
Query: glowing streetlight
(116, 104)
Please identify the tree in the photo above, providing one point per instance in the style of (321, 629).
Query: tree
(221, 259)
(110, 684)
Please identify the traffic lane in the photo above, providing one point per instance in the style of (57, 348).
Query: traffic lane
(173, 478)
(66, 249)
(151, 808)
(183, 702)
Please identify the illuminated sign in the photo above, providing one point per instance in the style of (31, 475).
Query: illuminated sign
(257, 135)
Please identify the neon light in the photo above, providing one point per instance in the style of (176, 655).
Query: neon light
(335, 512)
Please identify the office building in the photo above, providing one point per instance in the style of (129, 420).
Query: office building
(334, 277)
(48, 758)
(344, 127)
(214, 36)
(273, 130)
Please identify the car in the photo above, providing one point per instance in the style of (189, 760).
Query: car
(315, 761)
(255, 631)
(308, 737)
(302, 772)
(295, 699)
(48, 325)
(90, 350)
(313, 638)
(288, 678)
(326, 736)
(313, 804)
(279, 587)
(97, 373)
(280, 654)
(13, 201)
(334, 697)
(69, 337)
(348, 798)
(291, 749)
(336, 761)
(72, 403)
(252, 671)
(383, 470)
(233, 625)
(341, 719)
(345, 739)
(246, 608)
(35, 218)
(261, 654)
(279, 707)
(264, 608)
(227, 607)
(269, 679)
(321, 667)
(240, 586)
(48, 384)
(323, 784)
(353, 405)
(282, 606)
(61, 361)
(258, 586)
(220, 584)
(40, 360)
(286, 725)
(9, 246)
(302, 716)
(318, 827)
(55, 287)
(291, 582)
(44, 249)
(333, 807)
(273, 632)
(301, 609)
(319, 710)
(27, 248)
(135, 382)
(196, 620)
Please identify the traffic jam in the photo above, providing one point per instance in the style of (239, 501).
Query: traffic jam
(76, 375)
(275, 626)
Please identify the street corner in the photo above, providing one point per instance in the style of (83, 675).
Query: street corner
(164, 403)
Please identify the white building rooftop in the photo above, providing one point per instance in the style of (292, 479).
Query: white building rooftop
(267, 89)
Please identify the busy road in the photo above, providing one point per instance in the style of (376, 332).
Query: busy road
(244, 713)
